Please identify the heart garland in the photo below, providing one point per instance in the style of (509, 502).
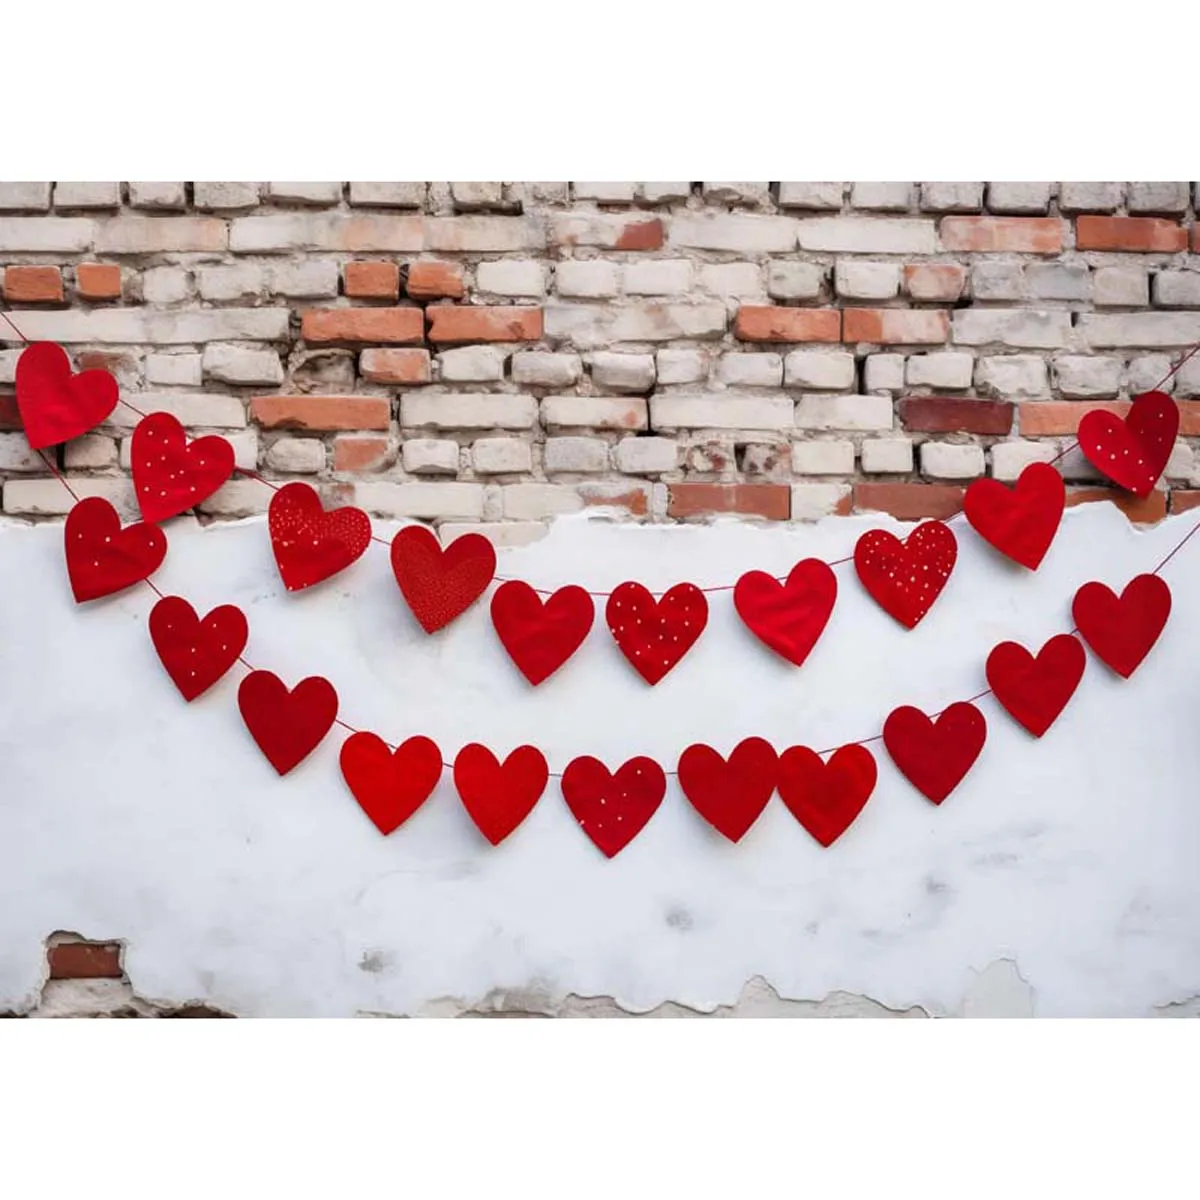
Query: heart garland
(934, 756)
(1020, 521)
(56, 405)
(1132, 451)
(438, 584)
(541, 637)
(103, 558)
(171, 474)
(729, 794)
(1034, 691)
(390, 785)
(789, 617)
(499, 796)
(196, 653)
(905, 578)
(287, 725)
(826, 797)
(1122, 630)
(311, 544)
(613, 808)
(655, 634)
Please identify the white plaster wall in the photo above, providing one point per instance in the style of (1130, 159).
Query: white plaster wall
(125, 813)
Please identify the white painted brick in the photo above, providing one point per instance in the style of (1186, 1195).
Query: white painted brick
(540, 368)
(174, 370)
(823, 458)
(188, 408)
(387, 195)
(30, 197)
(725, 410)
(1017, 327)
(997, 281)
(317, 194)
(472, 364)
(750, 370)
(501, 456)
(1181, 464)
(594, 412)
(296, 456)
(429, 456)
(1075, 468)
(533, 501)
(1157, 198)
(46, 235)
(811, 501)
(511, 277)
(424, 501)
(1081, 378)
(1013, 377)
(754, 194)
(477, 195)
(1147, 373)
(794, 280)
(681, 366)
(303, 280)
(157, 195)
(1177, 289)
(646, 455)
(238, 498)
(664, 193)
(951, 370)
(1058, 281)
(657, 277)
(608, 231)
(590, 326)
(1009, 459)
(742, 281)
(165, 285)
(811, 195)
(240, 281)
(502, 534)
(466, 410)
(887, 456)
(16, 454)
(952, 197)
(225, 197)
(1090, 197)
(154, 235)
(858, 280)
(945, 460)
(1187, 380)
(8, 360)
(604, 193)
(1120, 287)
(245, 447)
(353, 233)
(883, 197)
(868, 235)
(853, 413)
(1018, 197)
(623, 372)
(132, 326)
(1150, 329)
(883, 373)
(738, 233)
(48, 497)
(92, 452)
(824, 370)
(575, 455)
(588, 277)
(242, 365)
(87, 195)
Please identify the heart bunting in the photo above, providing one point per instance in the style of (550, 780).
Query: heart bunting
(311, 544)
(287, 725)
(655, 634)
(789, 617)
(499, 796)
(196, 653)
(1133, 451)
(1122, 631)
(541, 637)
(729, 794)
(826, 797)
(905, 578)
(171, 474)
(390, 785)
(1032, 690)
(103, 558)
(613, 808)
(56, 405)
(935, 755)
(438, 584)
(1020, 521)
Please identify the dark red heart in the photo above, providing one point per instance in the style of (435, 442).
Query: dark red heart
(499, 796)
(905, 578)
(541, 637)
(655, 635)
(1132, 452)
(195, 652)
(613, 808)
(55, 405)
(1032, 690)
(438, 584)
(935, 755)
(1121, 632)
(101, 556)
(731, 795)
(1020, 521)
(788, 617)
(826, 797)
(288, 726)
(390, 785)
(171, 474)
(311, 544)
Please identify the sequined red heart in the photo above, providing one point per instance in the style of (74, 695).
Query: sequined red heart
(56, 405)
(905, 578)
(311, 544)
(195, 652)
(789, 617)
(729, 794)
(540, 637)
(1133, 451)
(1122, 630)
(1020, 521)
(613, 809)
(655, 634)
(171, 474)
(438, 584)
(287, 725)
(101, 556)
(826, 797)
(390, 785)
(1033, 690)
(499, 796)
(934, 756)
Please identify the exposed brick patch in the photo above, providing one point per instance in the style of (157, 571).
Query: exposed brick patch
(934, 281)
(895, 326)
(33, 285)
(641, 235)
(395, 366)
(909, 501)
(953, 414)
(1007, 235)
(84, 960)
(1184, 499)
(351, 453)
(324, 413)
(484, 324)
(98, 281)
(762, 323)
(389, 325)
(770, 500)
(634, 498)
(1144, 511)
(435, 281)
(1150, 235)
(372, 280)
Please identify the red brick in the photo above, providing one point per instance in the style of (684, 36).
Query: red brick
(85, 960)
(98, 281)
(934, 281)
(909, 501)
(770, 500)
(1196, 238)
(764, 323)
(1149, 235)
(634, 498)
(322, 413)
(1145, 511)
(896, 326)
(1015, 235)
(956, 414)
(389, 325)
(641, 235)
(33, 285)
(1184, 499)
(480, 323)
(353, 453)
(1045, 418)
(10, 417)
(435, 281)
(372, 280)
(395, 366)
(115, 362)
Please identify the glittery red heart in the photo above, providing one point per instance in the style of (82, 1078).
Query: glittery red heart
(287, 725)
(1020, 521)
(729, 794)
(1122, 631)
(1132, 452)
(499, 796)
(171, 474)
(905, 578)
(311, 544)
(438, 584)
(195, 652)
(101, 556)
(826, 797)
(56, 405)
(540, 637)
(390, 785)
(935, 755)
(655, 634)
(613, 809)
(788, 617)
(1032, 690)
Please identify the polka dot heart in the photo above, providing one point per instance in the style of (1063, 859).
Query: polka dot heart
(311, 544)
(103, 558)
(171, 475)
(905, 578)
(1132, 452)
(612, 809)
(655, 635)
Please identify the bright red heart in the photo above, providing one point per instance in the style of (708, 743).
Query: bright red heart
(731, 795)
(788, 617)
(541, 637)
(498, 797)
(311, 544)
(655, 635)
(1032, 690)
(826, 797)
(1132, 452)
(935, 755)
(613, 809)
(55, 405)
(288, 726)
(438, 584)
(905, 578)
(101, 556)
(390, 786)
(1122, 631)
(1021, 521)
(195, 652)
(171, 474)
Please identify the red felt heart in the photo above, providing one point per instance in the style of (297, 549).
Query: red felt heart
(499, 796)
(655, 635)
(288, 726)
(935, 755)
(541, 637)
(826, 797)
(789, 616)
(613, 808)
(1021, 521)
(1132, 452)
(731, 795)
(56, 405)
(905, 578)
(101, 556)
(390, 786)
(1122, 631)
(171, 474)
(311, 544)
(438, 584)
(195, 652)
(1035, 690)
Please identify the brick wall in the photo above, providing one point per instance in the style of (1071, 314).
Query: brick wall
(490, 355)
